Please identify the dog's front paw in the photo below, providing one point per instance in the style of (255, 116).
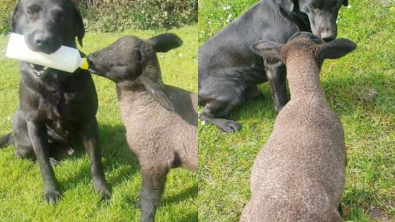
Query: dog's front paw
(229, 126)
(52, 196)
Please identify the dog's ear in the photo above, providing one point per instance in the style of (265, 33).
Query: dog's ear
(287, 5)
(79, 26)
(165, 42)
(14, 14)
(156, 91)
(345, 2)
(337, 48)
(267, 49)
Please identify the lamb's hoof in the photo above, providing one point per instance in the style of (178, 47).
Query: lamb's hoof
(229, 126)
(53, 196)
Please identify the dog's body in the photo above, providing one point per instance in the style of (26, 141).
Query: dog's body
(229, 71)
(56, 108)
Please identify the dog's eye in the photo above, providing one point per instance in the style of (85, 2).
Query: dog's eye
(31, 14)
(313, 6)
(59, 15)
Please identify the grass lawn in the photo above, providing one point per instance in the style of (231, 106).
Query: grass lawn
(360, 88)
(21, 188)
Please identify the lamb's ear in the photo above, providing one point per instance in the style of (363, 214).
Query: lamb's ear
(79, 26)
(14, 14)
(266, 49)
(165, 42)
(345, 2)
(156, 91)
(287, 5)
(337, 48)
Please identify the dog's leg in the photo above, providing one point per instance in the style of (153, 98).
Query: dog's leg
(39, 138)
(23, 144)
(215, 109)
(252, 92)
(90, 139)
(276, 74)
(154, 179)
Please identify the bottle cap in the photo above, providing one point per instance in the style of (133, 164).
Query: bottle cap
(84, 64)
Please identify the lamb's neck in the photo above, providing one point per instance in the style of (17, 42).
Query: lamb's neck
(304, 79)
(130, 92)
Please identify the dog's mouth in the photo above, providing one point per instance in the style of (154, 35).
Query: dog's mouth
(38, 71)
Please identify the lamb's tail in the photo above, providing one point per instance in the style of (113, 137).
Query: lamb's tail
(165, 42)
(6, 140)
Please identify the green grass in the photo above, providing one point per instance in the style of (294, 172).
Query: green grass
(360, 88)
(21, 188)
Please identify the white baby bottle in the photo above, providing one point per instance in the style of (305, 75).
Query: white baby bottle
(65, 58)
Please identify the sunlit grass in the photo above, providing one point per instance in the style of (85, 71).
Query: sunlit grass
(359, 87)
(21, 188)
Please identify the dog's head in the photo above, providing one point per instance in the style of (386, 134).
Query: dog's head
(322, 15)
(132, 61)
(48, 24)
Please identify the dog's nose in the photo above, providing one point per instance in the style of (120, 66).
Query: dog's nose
(328, 35)
(42, 39)
(328, 39)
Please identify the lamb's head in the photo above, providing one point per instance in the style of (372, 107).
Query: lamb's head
(131, 61)
(122, 60)
(303, 45)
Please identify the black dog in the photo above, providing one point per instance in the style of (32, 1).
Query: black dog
(56, 108)
(229, 71)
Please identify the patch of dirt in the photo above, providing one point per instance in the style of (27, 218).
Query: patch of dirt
(379, 215)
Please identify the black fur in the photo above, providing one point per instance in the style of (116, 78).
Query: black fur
(229, 71)
(60, 107)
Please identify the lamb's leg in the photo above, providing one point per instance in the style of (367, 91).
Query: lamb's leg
(245, 213)
(336, 217)
(154, 179)
(340, 209)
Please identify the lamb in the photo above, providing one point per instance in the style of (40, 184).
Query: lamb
(299, 174)
(160, 120)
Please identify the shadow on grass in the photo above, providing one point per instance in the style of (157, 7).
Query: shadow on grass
(120, 161)
(191, 217)
(362, 202)
(116, 156)
(357, 198)
(191, 191)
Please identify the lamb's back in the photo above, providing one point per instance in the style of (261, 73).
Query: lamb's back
(300, 160)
